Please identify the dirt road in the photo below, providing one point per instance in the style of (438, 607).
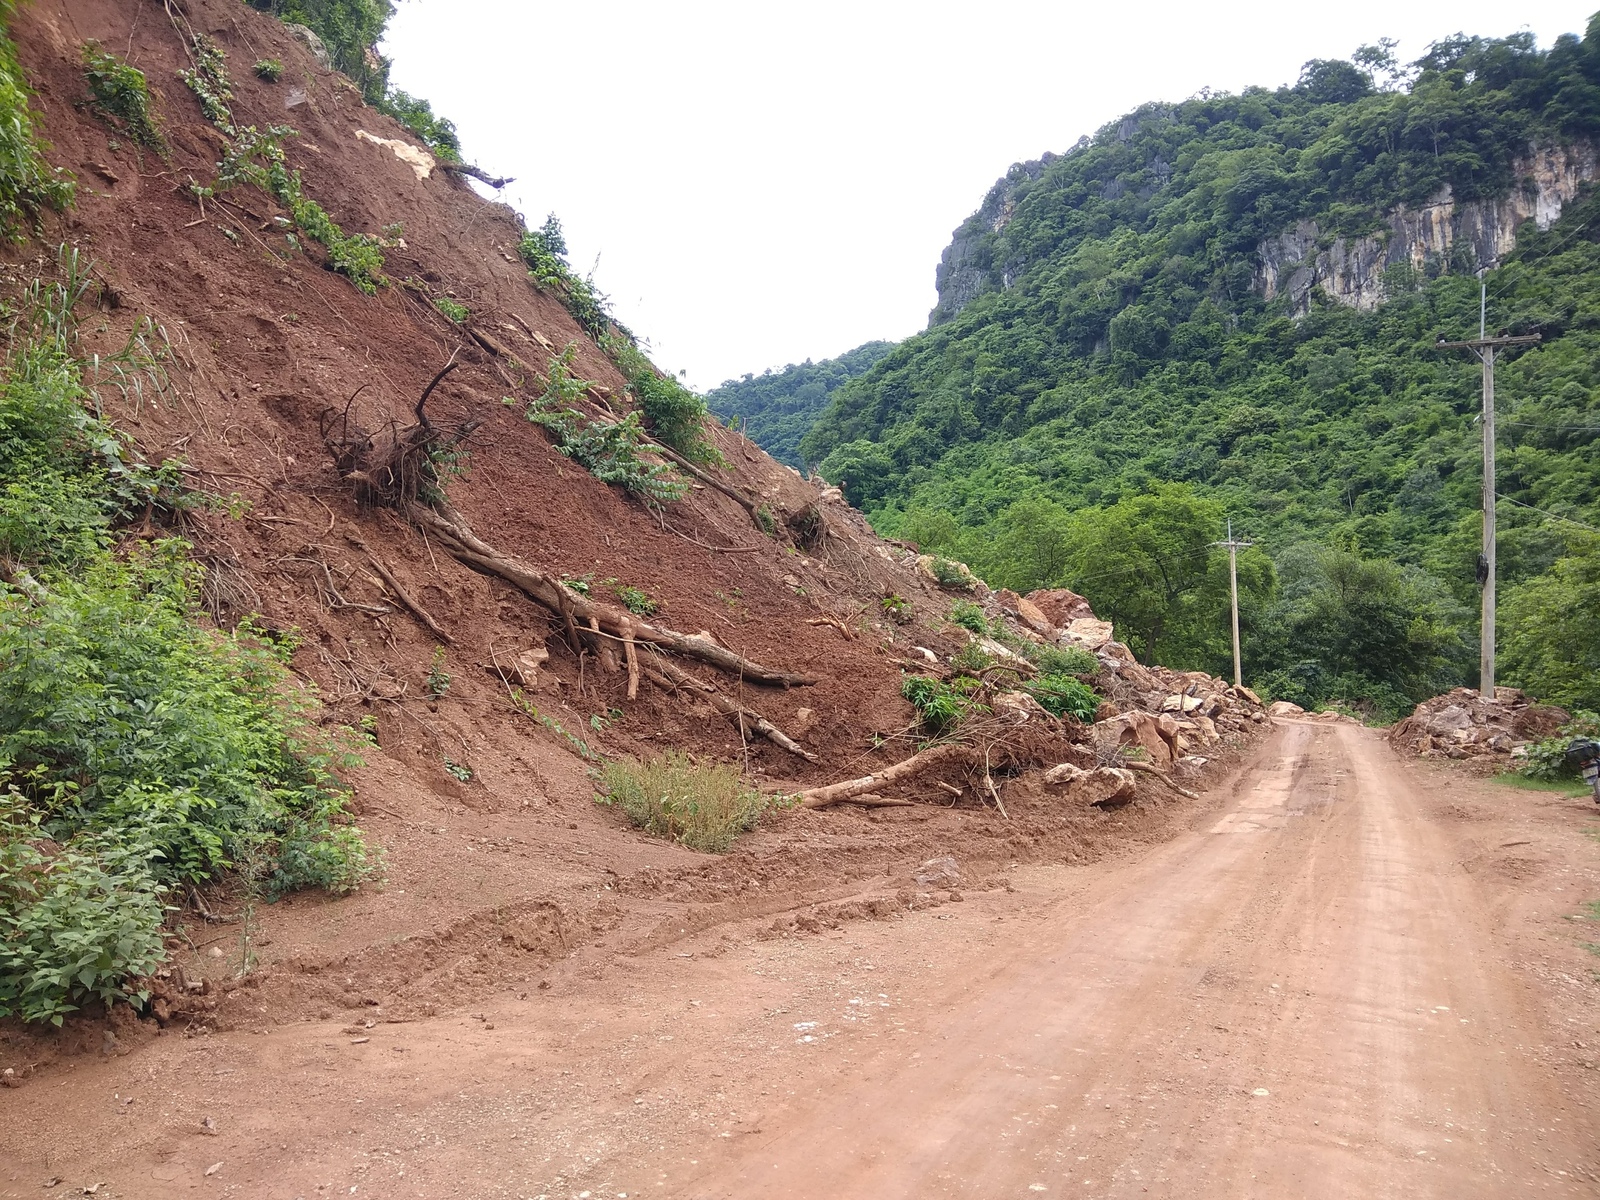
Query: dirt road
(1299, 1001)
(1345, 980)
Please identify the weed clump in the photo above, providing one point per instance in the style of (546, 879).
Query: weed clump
(255, 156)
(121, 96)
(28, 184)
(703, 806)
(454, 311)
(269, 69)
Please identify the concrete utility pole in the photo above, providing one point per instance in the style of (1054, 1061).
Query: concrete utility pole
(1484, 348)
(1233, 586)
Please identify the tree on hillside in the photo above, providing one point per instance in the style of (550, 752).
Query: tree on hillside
(1367, 631)
(1147, 564)
(1551, 645)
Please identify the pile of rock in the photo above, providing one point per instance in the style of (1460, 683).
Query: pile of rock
(1462, 724)
(1173, 717)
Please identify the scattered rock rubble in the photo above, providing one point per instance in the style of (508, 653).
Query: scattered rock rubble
(1462, 724)
(1170, 720)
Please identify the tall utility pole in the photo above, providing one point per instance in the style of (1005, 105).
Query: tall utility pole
(1233, 586)
(1485, 347)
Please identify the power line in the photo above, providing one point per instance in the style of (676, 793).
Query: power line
(1551, 515)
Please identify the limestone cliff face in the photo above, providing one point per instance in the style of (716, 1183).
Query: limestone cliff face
(967, 265)
(1438, 237)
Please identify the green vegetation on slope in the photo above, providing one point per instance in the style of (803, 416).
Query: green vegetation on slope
(28, 184)
(776, 408)
(1117, 345)
(139, 750)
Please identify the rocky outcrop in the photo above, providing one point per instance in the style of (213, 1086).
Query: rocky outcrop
(1462, 724)
(1441, 236)
(967, 266)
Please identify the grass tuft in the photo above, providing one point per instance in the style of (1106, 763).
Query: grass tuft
(703, 806)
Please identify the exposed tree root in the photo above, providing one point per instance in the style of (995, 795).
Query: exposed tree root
(927, 760)
(400, 593)
(869, 800)
(667, 675)
(1151, 769)
(604, 620)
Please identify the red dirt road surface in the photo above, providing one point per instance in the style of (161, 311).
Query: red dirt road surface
(1349, 976)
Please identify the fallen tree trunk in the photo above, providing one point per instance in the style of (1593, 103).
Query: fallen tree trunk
(927, 760)
(664, 674)
(614, 623)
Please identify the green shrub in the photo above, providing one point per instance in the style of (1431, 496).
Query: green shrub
(121, 96)
(1547, 759)
(703, 806)
(544, 252)
(28, 184)
(638, 601)
(139, 751)
(269, 69)
(438, 679)
(948, 574)
(77, 921)
(1061, 660)
(970, 617)
(1063, 695)
(452, 310)
(940, 706)
(436, 133)
(607, 450)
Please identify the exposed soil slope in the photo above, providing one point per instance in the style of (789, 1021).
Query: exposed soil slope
(488, 880)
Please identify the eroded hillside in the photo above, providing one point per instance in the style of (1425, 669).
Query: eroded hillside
(488, 619)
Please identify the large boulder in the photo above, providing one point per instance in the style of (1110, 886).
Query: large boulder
(308, 38)
(1284, 708)
(1087, 633)
(948, 574)
(1100, 785)
(1059, 606)
(1136, 729)
(1027, 613)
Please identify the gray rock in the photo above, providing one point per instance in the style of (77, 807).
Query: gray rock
(308, 37)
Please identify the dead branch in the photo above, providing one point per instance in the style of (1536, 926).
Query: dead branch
(466, 546)
(495, 181)
(402, 595)
(927, 760)
(869, 800)
(666, 675)
(422, 417)
(1152, 769)
(705, 477)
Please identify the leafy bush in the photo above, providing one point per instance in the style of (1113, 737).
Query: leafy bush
(638, 601)
(436, 133)
(544, 252)
(121, 95)
(607, 450)
(28, 184)
(1062, 695)
(139, 751)
(703, 806)
(1547, 759)
(452, 310)
(970, 617)
(948, 574)
(940, 706)
(437, 681)
(269, 69)
(350, 30)
(77, 921)
(1062, 660)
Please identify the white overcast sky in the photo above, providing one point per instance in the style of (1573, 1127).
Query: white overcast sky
(766, 182)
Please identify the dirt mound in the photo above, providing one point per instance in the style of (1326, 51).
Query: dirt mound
(1462, 724)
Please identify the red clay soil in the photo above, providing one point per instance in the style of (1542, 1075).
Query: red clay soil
(487, 881)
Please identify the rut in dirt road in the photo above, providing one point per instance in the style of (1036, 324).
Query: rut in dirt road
(1298, 1001)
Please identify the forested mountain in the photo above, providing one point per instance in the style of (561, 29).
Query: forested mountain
(776, 408)
(1227, 308)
